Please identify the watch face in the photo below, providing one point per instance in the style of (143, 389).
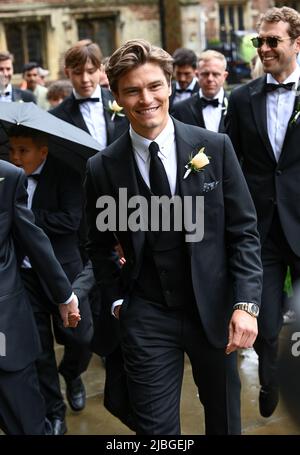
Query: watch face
(254, 308)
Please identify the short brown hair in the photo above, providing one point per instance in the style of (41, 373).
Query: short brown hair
(135, 53)
(39, 138)
(6, 56)
(284, 14)
(83, 50)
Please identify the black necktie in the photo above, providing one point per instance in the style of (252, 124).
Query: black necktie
(212, 102)
(36, 177)
(159, 183)
(84, 100)
(272, 87)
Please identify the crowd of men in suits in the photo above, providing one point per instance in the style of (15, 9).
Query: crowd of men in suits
(145, 298)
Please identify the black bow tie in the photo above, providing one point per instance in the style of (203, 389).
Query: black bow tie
(36, 177)
(272, 87)
(5, 94)
(212, 102)
(182, 90)
(84, 100)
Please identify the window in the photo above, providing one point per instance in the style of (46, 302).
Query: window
(26, 42)
(231, 16)
(101, 31)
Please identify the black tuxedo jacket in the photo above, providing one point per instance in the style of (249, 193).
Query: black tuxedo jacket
(173, 93)
(271, 184)
(225, 265)
(57, 206)
(69, 111)
(23, 95)
(17, 228)
(190, 111)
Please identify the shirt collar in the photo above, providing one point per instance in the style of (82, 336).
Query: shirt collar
(95, 94)
(141, 144)
(219, 95)
(294, 77)
(39, 169)
(190, 87)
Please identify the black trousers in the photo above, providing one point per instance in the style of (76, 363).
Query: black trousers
(154, 339)
(22, 407)
(276, 257)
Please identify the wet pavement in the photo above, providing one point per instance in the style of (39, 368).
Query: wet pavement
(95, 420)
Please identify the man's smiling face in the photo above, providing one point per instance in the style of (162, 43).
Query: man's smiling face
(144, 93)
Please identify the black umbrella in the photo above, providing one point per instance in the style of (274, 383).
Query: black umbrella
(66, 142)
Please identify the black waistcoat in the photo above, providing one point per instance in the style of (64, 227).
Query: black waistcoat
(165, 273)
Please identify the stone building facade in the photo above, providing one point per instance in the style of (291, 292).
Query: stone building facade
(43, 30)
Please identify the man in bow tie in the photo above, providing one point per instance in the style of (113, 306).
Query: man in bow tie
(207, 107)
(173, 295)
(262, 124)
(185, 78)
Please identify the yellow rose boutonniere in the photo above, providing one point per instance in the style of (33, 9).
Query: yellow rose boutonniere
(115, 109)
(1, 179)
(197, 163)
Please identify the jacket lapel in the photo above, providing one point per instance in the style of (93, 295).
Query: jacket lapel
(72, 110)
(223, 114)
(106, 97)
(196, 109)
(120, 166)
(258, 103)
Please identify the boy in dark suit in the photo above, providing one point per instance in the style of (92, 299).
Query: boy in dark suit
(55, 197)
(22, 407)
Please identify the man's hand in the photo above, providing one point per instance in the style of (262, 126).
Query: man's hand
(242, 331)
(70, 313)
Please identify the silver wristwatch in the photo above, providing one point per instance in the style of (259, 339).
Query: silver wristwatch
(250, 308)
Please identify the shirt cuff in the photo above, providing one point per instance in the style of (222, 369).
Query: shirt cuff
(69, 299)
(116, 303)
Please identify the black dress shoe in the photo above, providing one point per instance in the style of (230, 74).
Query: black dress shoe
(268, 400)
(58, 427)
(75, 393)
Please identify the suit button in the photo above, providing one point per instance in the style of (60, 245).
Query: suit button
(278, 172)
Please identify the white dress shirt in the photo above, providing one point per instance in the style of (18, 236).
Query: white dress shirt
(280, 105)
(167, 153)
(212, 115)
(180, 96)
(6, 94)
(93, 115)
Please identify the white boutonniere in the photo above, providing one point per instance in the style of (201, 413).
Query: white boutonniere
(296, 113)
(225, 107)
(2, 178)
(196, 163)
(115, 109)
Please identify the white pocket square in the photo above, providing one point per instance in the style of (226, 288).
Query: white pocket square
(209, 186)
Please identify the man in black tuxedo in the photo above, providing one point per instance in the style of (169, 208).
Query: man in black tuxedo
(8, 92)
(22, 408)
(207, 107)
(91, 108)
(263, 125)
(55, 197)
(185, 82)
(175, 293)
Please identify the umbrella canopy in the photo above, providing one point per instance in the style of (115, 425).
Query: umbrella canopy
(67, 142)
